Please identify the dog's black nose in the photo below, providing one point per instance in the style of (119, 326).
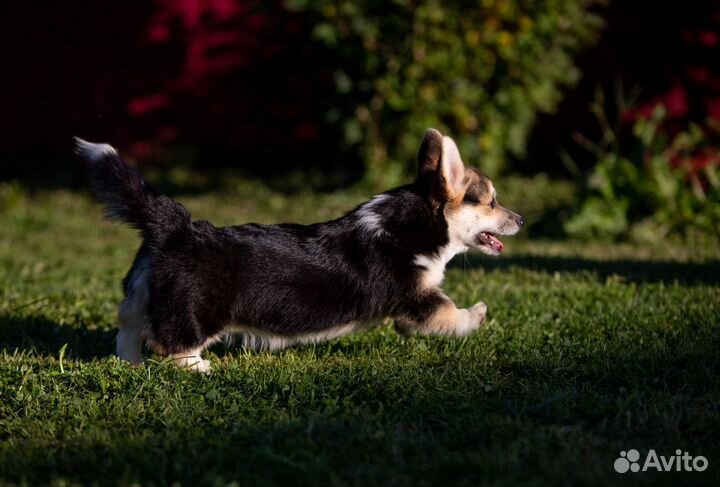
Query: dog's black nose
(520, 221)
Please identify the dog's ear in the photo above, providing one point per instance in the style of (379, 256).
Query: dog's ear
(452, 168)
(439, 162)
(430, 152)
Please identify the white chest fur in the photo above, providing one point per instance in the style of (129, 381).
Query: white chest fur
(434, 264)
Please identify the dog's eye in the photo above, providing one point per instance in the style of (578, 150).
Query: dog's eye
(493, 204)
(471, 199)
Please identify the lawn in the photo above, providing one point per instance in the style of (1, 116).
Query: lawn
(590, 349)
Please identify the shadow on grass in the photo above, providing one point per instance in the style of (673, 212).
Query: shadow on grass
(46, 337)
(443, 428)
(689, 273)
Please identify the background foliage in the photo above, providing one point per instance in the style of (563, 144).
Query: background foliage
(654, 185)
(319, 95)
(480, 70)
(332, 90)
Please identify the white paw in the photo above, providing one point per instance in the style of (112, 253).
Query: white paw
(194, 363)
(472, 319)
(478, 313)
(202, 366)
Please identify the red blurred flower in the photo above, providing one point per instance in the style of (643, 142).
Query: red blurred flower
(713, 108)
(143, 105)
(708, 38)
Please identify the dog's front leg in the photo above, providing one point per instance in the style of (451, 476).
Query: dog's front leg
(438, 315)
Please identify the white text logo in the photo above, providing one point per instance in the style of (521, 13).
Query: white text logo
(680, 462)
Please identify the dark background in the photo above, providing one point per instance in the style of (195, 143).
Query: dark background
(244, 85)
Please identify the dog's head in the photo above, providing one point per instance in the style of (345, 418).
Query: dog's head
(467, 196)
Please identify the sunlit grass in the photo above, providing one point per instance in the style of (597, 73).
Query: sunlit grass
(590, 348)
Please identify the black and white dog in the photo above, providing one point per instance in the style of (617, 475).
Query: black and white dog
(192, 283)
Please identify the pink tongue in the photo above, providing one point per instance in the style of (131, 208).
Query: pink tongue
(495, 242)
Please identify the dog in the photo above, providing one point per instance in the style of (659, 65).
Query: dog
(192, 283)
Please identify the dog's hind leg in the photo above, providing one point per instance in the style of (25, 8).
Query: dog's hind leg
(132, 315)
(133, 328)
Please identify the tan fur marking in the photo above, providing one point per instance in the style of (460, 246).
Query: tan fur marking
(474, 181)
(447, 320)
(443, 321)
(469, 212)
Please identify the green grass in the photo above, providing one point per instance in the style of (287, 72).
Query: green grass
(590, 349)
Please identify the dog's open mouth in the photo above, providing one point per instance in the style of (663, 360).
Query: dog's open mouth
(489, 240)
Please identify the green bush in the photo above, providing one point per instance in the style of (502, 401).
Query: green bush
(481, 70)
(655, 185)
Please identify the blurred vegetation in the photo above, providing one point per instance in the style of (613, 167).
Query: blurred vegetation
(480, 70)
(650, 183)
(322, 93)
(304, 96)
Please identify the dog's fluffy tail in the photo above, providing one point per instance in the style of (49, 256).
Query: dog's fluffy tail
(126, 195)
